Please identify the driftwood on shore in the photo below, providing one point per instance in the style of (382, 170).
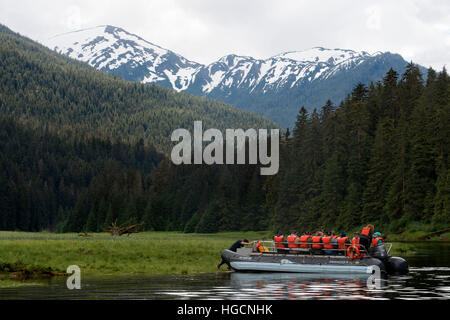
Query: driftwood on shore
(435, 233)
(125, 228)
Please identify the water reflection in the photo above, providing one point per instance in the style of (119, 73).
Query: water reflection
(301, 286)
(424, 281)
(421, 283)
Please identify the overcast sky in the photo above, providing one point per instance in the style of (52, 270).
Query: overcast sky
(205, 30)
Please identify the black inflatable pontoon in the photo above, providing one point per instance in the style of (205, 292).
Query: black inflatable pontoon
(308, 261)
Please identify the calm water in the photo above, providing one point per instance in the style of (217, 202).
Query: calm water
(429, 278)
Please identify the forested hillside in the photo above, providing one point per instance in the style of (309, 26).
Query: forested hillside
(185, 198)
(381, 156)
(38, 86)
(65, 126)
(42, 174)
(78, 150)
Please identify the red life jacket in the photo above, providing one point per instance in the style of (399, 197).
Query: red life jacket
(376, 240)
(365, 231)
(291, 241)
(341, 242)
(326, 242)
(317, 242)
(260, 247)
(278, 241)
(304, 239)
(356, 241)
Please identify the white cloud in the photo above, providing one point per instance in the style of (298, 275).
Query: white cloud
(373, 17)
(74, 19)
(204, 30)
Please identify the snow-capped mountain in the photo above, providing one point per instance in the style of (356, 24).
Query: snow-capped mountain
(275, 87)
(117, 51)
(286, 70)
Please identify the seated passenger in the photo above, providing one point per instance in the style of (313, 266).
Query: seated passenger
(327, 246)
(356, 241)
(259, 247)
(317, 243)
(343, 242)
(333, 241)
(293, 241)
(305, 240)
(279, 242)
(377, 239)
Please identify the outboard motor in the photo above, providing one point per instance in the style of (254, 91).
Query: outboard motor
(379, 252)
(397, 266)
(393, 265)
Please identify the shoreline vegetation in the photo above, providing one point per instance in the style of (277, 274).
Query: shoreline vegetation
(38, 255)
(27, 257)
(82, 149)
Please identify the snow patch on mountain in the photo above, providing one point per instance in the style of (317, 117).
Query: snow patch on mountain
(114, 50)
(109, 48)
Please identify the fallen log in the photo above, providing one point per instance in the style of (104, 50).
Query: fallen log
(116, 230)
(434, 233)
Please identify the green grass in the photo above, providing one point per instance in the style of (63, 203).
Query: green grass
(101, 254)
(403, 248)
(38, 255)
(9, 283)
(408, 232)
(417, 236)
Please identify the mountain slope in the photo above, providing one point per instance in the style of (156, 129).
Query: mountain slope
(117, 51)
(41, 87)
(275, 87)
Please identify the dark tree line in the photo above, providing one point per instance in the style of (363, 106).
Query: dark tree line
(77, 145)
(380, 157)
(189, 198)
(76, 154)
(43, 176)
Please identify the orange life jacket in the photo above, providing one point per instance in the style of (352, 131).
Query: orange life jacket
(365, 231)
(341, 242)
(278, 241)
(376, 240)
(260, 247)
(326, 242)
(317, 242)
(304, 239)
(291, 241)
(356, 241)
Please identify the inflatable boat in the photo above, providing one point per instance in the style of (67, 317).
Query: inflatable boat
(314, 261)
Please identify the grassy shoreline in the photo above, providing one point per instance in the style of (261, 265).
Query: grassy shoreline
(147, 253)
(416, 236)
(31, 256)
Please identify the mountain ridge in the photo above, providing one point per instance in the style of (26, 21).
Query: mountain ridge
(41, 87)
(257, 85)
